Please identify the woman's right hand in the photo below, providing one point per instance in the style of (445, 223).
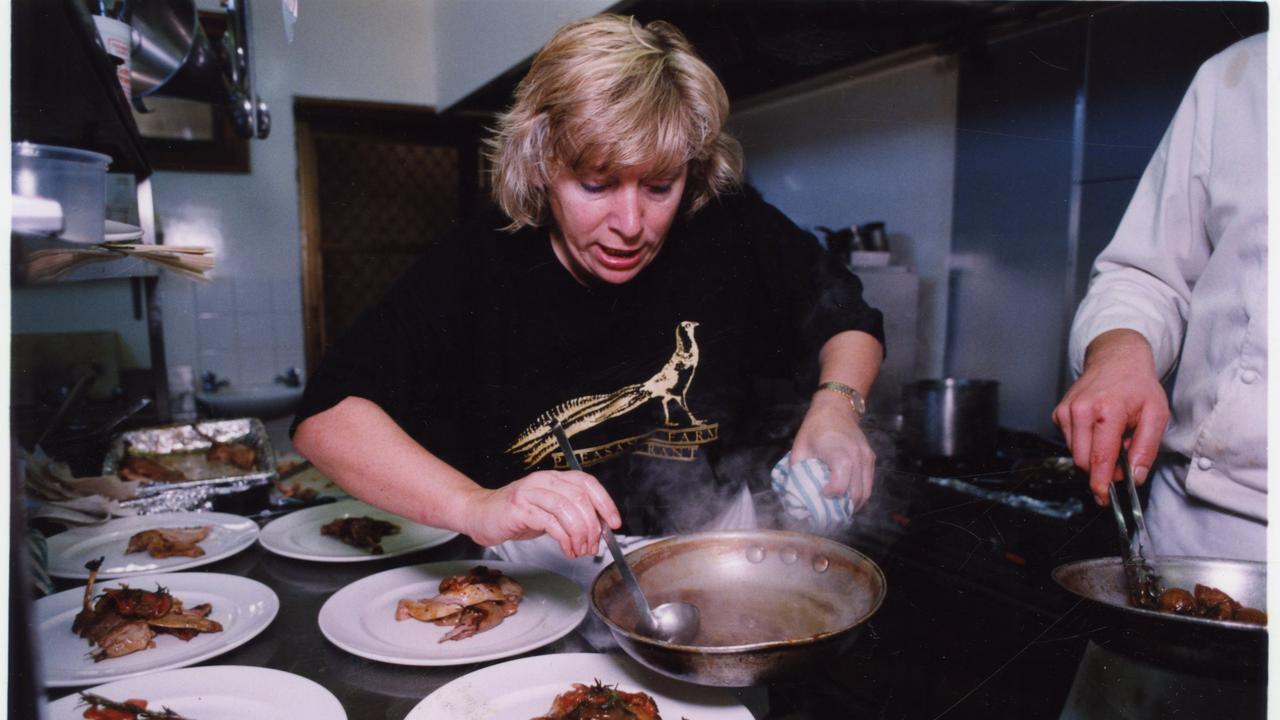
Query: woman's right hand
(567, 505)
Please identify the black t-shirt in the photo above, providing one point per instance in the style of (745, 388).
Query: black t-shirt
(488, 337)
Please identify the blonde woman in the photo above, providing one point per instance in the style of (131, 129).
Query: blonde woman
(628, 289)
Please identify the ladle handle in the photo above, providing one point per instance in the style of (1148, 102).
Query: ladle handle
(627, 576)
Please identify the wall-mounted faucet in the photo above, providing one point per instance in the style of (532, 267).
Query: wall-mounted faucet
(290, 378)
(210, 382)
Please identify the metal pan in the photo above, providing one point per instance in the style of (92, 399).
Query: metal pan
(182, 446)
(1178, 641)
(773, 603)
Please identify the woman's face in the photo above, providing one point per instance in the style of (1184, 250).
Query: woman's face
(609, 227)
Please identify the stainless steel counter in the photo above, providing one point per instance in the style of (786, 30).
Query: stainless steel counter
(972, 626)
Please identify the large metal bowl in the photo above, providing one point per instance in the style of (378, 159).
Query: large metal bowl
(1185, 643)
(772, 603)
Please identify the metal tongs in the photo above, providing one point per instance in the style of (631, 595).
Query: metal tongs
(1135, 547)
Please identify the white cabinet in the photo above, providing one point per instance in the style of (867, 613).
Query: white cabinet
(895, 291)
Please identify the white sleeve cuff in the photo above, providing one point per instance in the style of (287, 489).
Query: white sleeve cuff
(1119, 307)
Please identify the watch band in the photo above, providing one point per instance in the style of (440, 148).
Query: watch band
(854, 397)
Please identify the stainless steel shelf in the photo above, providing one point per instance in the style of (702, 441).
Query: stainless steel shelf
(65, 90)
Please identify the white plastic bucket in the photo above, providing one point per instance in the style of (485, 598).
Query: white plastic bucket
(77, 179)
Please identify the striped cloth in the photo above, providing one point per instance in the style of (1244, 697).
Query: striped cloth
(38, 557)
(800, 489)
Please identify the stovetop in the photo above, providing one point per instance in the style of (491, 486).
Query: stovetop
(997, 526)
(973, 624)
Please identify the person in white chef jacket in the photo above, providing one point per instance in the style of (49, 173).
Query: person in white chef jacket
(1180, 294)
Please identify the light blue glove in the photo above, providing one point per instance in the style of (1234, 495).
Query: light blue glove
(800, 489)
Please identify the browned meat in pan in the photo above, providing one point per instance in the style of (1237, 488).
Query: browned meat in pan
(237, 454)
(143, 469)
(1208, 602)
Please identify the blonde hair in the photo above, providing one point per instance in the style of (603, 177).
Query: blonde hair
(606, 93)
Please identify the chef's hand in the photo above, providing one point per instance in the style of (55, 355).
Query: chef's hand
(566, 505)
(1118, 390)
(830, 433)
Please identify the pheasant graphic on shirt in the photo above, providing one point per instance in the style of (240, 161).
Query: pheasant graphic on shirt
(669, 386)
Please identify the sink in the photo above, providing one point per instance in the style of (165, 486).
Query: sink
(261, 401)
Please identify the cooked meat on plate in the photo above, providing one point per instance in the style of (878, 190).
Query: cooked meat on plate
(471, 603)
(601, 702)
(170, 542)
(125, 620)
(101, 708)
(361, 532)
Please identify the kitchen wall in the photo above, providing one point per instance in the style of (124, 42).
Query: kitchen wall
(1012, 250)
(246, 325)
(1001, 172)
(1055, 127)
(873, 148)
(92, 307)
(485, 38)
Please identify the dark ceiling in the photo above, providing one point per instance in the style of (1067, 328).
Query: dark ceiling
(761, 45)
(758, 46)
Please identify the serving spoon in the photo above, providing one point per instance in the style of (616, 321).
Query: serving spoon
(674, 622)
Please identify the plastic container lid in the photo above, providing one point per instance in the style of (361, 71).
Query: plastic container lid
(56, 152)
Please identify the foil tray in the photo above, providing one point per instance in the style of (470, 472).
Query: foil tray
(183, 446)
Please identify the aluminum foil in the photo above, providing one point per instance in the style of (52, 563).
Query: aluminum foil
(1061, 509)
(183, 446)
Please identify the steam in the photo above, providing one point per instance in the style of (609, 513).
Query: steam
(674, 497)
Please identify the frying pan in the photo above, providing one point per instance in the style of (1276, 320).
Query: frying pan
(1190, 644)
(772, 603)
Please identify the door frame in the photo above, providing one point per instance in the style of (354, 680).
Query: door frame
(315, 118)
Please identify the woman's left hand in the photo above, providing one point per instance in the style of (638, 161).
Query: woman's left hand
(830, 432)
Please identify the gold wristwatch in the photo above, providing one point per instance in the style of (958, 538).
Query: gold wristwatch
(854, 397)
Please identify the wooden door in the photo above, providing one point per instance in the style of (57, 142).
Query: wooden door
(377, 184)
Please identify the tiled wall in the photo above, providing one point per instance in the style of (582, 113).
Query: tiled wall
(245, 329)
(232, 325)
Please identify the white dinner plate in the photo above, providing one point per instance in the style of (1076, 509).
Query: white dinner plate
(297, 535)
(216, 692)
(244, 607)
(525, 688)
(116, 231)
(361, 617)
(70, 550)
